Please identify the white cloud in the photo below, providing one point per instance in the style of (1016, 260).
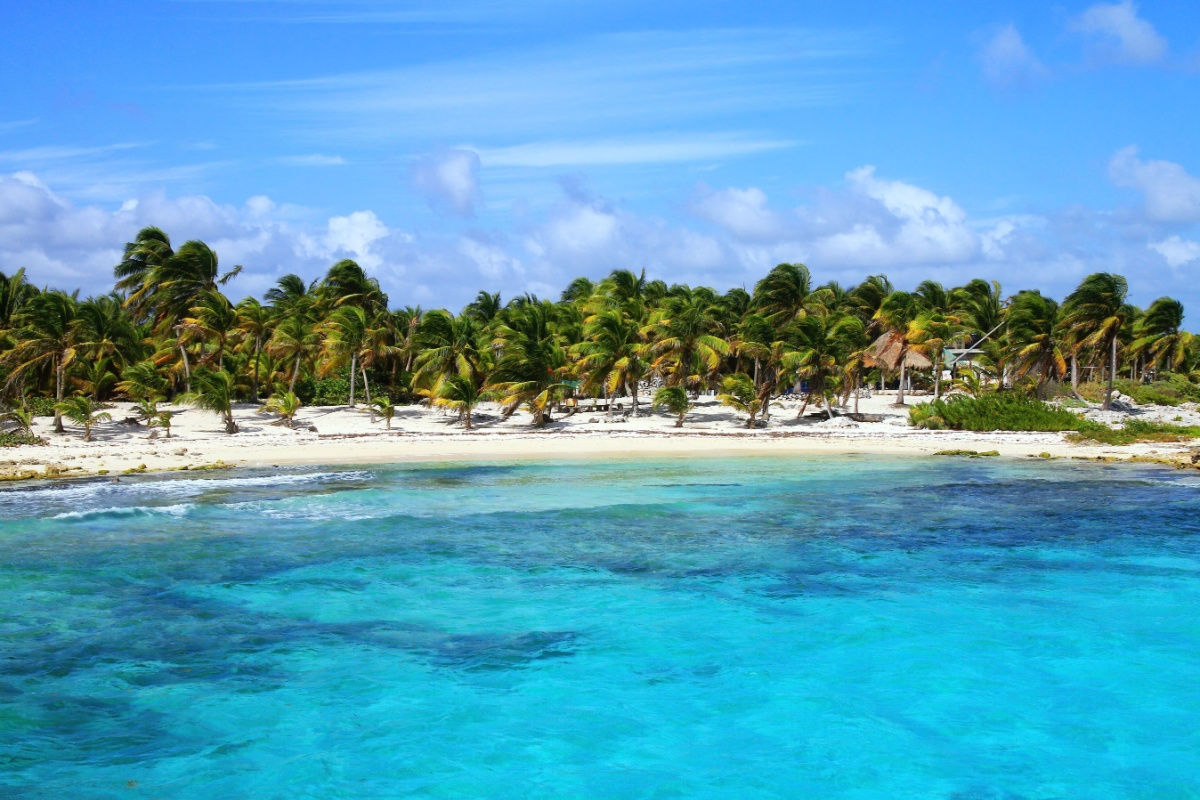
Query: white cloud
(354, 235)
(1007, 61)
(1170, 193)
(918, 227)
(742, 212)
(636, 150)
(1177, 251)
(311, 160)
(1119, 34)
(449, 180)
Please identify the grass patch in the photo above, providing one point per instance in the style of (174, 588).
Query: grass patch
(1136, 430)
(1171, 389)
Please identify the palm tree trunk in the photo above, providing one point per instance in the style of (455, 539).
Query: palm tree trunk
(857, 381)
(468, 410)
(366, 384)
(257, 355)
(937, 376)
(633, 392)
(295, 374)
(903, 373)
(187, 370)
(59, 381)
(230, 425)
(353, 370)
(1074, 374)
(1112, 371)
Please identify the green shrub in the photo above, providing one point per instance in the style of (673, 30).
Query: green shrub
(994, 411)
(18, 438)
(40, 406)
(1136, 430)
(326, 391)
(1170, 389)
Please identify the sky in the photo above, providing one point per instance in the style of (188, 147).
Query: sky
(461, 145)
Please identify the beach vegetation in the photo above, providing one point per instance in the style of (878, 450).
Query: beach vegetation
(675, 400)
(83, 411)
(171, 328)
(737, 391)
(286, 405)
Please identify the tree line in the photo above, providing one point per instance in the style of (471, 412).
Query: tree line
(168, 331)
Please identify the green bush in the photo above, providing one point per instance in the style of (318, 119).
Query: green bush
(40, 406)
(1170, 389)
(326, 391)
(1012, 411)
(994, 411)
(18, 438)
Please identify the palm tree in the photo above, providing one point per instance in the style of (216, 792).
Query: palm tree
(1095, 313)
(1033, 344)
(383, 405)
(685, 333)
(46, 337)
(675, 400)
(15, 291)
(294, 338)
(345, 336)
(458, 393)
(82, 411)
(142, 381)
(254, 320)
(163, 420)
(148, 251)
(785, 293)
(531, 364)
(895, 315)
(738, 391)
(213, 391)
(612, 353)
(484, 308)
(449, 345)
(1159, 335)
(21, 420)
(930, 333)
(212, 318)
(285, 405)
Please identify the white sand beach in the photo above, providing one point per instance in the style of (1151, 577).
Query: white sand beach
(338, 435)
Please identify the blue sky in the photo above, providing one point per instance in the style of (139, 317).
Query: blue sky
(454, 146)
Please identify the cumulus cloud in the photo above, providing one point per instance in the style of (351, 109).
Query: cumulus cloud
(1119, 34)
(1177, 251)
(743, 212)
(1169, 192)
(901, 223)
(449, 180)
(1007, 61)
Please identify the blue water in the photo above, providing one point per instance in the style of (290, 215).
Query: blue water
(835, 628)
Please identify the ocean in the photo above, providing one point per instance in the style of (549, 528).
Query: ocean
(850, 627)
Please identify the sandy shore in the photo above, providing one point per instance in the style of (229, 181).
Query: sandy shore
(337, 435)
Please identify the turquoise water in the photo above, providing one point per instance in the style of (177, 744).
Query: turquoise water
(835, 628)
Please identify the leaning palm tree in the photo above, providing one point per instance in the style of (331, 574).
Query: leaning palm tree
(685, 330)
(46, 337)
(738, 391)
(384, 407)
(285, 405)
(82, 411)
(1095, 313)
(457, 393)
(142, 381)
(532, 363)
(675, 400)
(20, 420)
(1158, 335)
(212, 390)
(1033, 343)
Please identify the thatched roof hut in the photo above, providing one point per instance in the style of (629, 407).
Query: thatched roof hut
(885, 352)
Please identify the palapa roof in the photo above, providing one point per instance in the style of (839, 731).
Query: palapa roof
(885, 352)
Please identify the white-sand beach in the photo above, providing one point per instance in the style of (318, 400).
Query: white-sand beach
(338, 435)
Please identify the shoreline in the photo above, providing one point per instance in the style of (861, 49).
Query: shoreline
(341, 436)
